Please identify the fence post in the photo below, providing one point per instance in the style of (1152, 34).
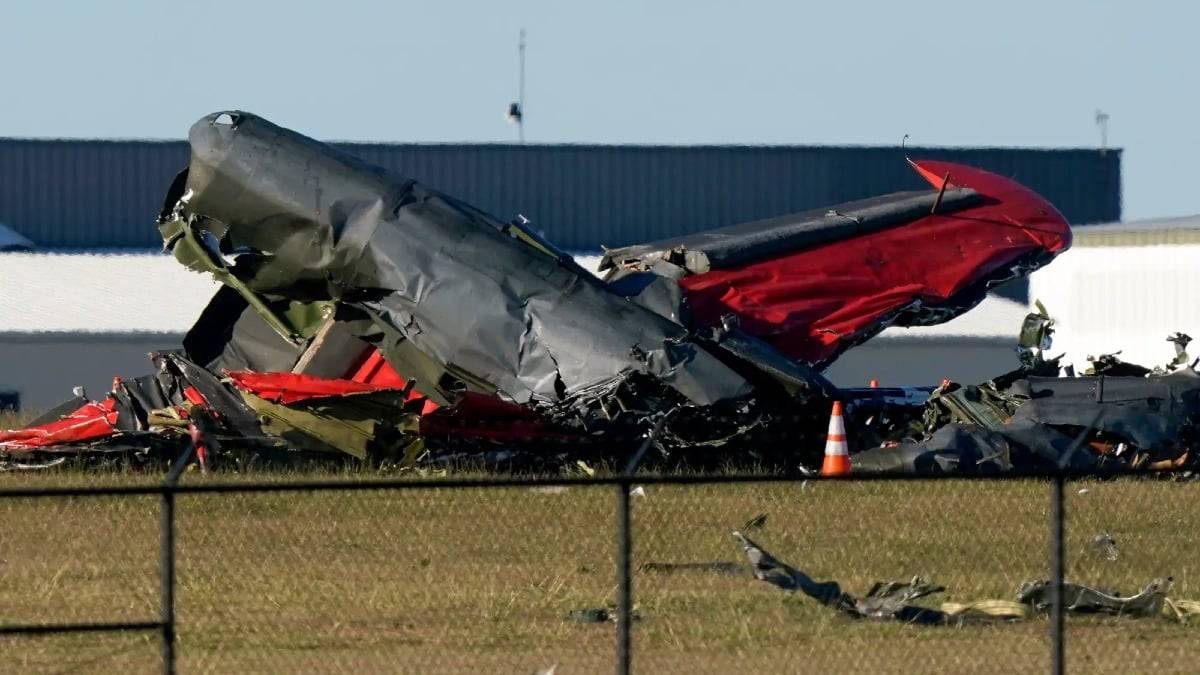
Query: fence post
(624, 579)
(166, 575)
(166, 554)
(624, 553)
(1057, 555)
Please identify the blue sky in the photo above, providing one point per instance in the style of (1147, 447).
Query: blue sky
(966, 73)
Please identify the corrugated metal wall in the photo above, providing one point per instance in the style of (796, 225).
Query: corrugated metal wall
(1106, 299)
(106, 193)
(86, 193)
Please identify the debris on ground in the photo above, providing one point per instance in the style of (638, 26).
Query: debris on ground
(598, 615)
(891, 601)
(1105, 545)
(894, 601)
(1149, 602)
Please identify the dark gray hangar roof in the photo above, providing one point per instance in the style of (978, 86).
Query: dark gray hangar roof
(85, 193)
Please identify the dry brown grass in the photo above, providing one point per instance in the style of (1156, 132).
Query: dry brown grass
(13, 420)
(480, 581)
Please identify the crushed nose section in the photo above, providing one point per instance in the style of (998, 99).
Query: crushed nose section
(280, 218)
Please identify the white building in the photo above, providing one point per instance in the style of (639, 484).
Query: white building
(973, 347)
(1124, 287)
(69, 319)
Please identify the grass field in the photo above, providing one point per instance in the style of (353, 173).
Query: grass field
(11, 420)
(481, 581)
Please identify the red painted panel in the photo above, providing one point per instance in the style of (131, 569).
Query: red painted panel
(813, 303)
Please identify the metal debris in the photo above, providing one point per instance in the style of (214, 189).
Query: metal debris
(894, 601)
(1149, 602)
(1105, 545)
(1132, 418)
(890, 601)
(598, 615)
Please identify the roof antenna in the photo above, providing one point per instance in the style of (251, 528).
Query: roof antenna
(516, 109)
(904, 150)
(1102, 122)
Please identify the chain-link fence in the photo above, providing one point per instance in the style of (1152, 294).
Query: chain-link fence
(332, 573)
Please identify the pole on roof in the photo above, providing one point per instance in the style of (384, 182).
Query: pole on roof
(1102, 122)
(521, 88)
(516, 109)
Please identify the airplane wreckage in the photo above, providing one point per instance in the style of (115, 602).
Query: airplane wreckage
(366, 317)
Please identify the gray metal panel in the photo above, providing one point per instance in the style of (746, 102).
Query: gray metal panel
(70, 193)
(86, 193)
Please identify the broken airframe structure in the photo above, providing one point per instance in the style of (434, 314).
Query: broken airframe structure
(1117, 416)
(364, 315)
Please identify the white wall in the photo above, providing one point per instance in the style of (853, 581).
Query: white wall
(1126, 298)
(923, 362)
(44, 367)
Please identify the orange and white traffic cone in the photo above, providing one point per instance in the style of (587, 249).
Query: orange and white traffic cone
(837, 453)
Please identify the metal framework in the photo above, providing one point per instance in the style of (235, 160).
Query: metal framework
(621, 483)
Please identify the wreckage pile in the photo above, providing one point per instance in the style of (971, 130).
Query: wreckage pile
(1116, 416)
(366, 317)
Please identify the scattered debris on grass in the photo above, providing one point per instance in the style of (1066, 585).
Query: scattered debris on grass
(894, 601)
(1149, 602)
(1104, 545)
(598, 615)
